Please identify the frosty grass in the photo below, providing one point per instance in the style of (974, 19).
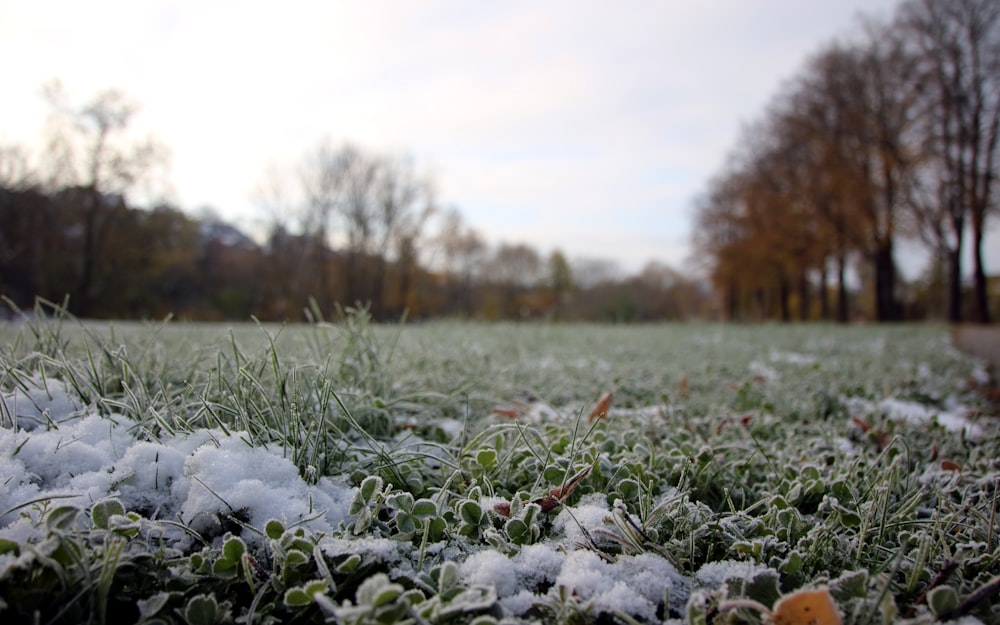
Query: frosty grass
(374, 474)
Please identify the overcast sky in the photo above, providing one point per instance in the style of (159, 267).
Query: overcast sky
(584, 126)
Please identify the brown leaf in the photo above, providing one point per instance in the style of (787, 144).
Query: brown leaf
(948, 465)
(502, 508)
(682, 387)
(861, 424)
(600, 410)
(563, 491)
(509, 413)
(548, 504)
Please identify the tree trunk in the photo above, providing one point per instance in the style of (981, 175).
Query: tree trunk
(886, 307)
(843, 313)
(784, 293)
(824, 295)
(980, 286)
(804, 299)
(954, 285)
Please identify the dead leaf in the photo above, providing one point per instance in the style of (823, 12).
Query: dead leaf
(547, 504)
(600, 410)
(563, 491)
(948, 465)
(508, 413)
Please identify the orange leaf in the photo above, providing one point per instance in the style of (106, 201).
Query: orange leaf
(682, 387)
(509, 413)
(806, 607)
(563, 491)
(862, 425)
(948, 465)
(600, 410)
(547, 504)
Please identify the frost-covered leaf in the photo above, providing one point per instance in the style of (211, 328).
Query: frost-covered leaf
(370, 487)
(150, 607)
(103, 510)
(274, 529)
(486, 458)
(61, 518)
(201, 610)
(424, 509)
(471, 512)
(299, 596)
(233, 548)
(942, 600)
(377, 591)
(400, 501)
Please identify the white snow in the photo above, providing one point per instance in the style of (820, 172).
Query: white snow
(792, 358)
(41, 401)
(83, 457)
(763, 371)
(716, 574)
(954, 418)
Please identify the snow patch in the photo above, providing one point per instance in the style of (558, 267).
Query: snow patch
(40, 402)
(793, 358)
(954, 419)
(84, 458)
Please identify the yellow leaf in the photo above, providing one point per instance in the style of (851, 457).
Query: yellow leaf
(806, 607)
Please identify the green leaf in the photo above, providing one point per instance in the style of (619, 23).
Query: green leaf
(848, 518)
(401, 501)
(447, 576)
(358, 503)
(297, 597)
(201, 610)
(363, 521)
(350, 564)
(9, 546)
(516, 529)
(377, 591)
(629, 490)
(850, 585)
(274, 529)
(942, 600)
(315, 587)
(487, 458)
(471, 512)
(295, 558)
(224, 568)
(405, 523)
(387, 594)
(61, 518)
(792, 564)
(424, 509)
(233, 549)
(371, 485)
(151, 606)
(103, 510)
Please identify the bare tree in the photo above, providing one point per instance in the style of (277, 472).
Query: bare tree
(92, 157)
(958, 47)
(404, 202)
(462, 250)
(16, 173)
(374, 209)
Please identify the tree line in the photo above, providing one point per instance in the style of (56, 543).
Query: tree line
(345, 227)
(891, 135)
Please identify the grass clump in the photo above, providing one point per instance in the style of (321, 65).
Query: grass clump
(458, 473)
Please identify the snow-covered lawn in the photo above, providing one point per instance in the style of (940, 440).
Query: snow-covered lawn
(455, 472)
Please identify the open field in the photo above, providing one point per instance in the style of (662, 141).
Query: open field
(458, 472)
